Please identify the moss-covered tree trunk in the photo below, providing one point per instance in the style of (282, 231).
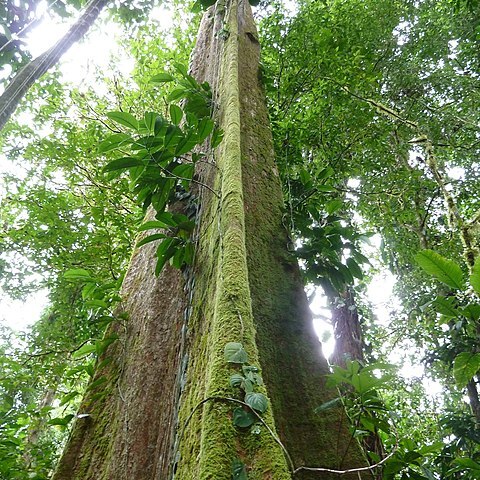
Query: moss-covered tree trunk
(164, 414)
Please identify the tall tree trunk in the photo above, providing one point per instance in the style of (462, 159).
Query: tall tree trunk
(165, 414)
(28, 75)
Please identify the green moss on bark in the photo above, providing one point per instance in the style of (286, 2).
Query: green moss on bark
(92, 438)
(222, 311)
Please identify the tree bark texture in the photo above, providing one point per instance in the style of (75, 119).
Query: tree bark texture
(473, 398)
(28, 75)
(166, 413)
(346, 327)
(127, 433)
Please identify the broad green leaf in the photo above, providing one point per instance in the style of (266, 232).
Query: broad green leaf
(198, 105)
(62, 421)
(248, 385)
(114, 141)
(96, 383)
(373, 423)
(88, 290)
(475, 276)
(217, 137)
(445, 306)
(176, 94)
(187, 225)
(150, 120)
(149, 143)
(471, 311)
(251, 373)
(367, 424)
(206, 87)
(187, 143)
(84, 350)
(347, 276)
(333, 205)
(177, 259)
(160, 127)
(364, 381)
(197, 7)
(172, 136)
(179, 218)
(162, 158)
(162, 194)
(379, 366)
(305, 177)
(69, 396)
(176, 114)
(433, 448)
(236, 380)
(334, 403)
(150, 238)
(467, 463)
(89, 369)
(360, 258)
(181, 68)
(153, 224)
(189, 253)
(124, 118)
(242, 418)
(257, 401)
(102, 345)
(355, 270)
(167, 218)
(184, 170)
(123, 164)
(465, 366)
(324, 173)
(77, 274)
(325, 188)
(136, 174)
(239, 471)
(96, 303)
(235, 353)
(441, 268)
(165, 251)
(162, 78)
(205, 128)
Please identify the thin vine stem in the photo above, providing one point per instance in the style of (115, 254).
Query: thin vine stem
(294, 470)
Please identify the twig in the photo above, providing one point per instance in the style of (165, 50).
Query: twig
(351, 470)
(172, 175)
(53, 352)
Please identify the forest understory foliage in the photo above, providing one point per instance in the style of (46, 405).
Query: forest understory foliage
(375, 120)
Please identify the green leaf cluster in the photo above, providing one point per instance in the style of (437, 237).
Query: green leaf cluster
(247, 381)
(161, 160)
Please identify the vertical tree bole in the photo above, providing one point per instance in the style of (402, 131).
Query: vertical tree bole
(154, 421)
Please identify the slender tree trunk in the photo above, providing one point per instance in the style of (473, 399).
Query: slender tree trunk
(38, 428)
(28, 75)
(349, 345)
(473, 398)
(165, 413)
(346, 327)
